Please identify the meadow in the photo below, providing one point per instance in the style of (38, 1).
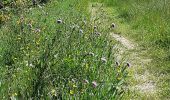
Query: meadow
(54, 50)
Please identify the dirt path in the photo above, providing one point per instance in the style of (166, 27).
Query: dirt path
(142, 83)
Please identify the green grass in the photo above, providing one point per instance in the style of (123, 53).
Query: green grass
(51, 51)
(149, 25)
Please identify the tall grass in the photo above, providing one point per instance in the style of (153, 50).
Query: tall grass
(52, 52)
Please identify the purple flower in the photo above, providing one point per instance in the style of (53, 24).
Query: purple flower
(94, 84)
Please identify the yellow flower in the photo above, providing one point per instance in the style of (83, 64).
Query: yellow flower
(74, 86)
(19, 38)
(15, 94)
(87, 66)
(53, 92)
(71, 92)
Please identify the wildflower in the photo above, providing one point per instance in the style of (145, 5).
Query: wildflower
(81, 31)
(55, 56)
(59, 21)
(113, 25)
(94, 84)
(53, 92)
(128, 64)
(19, 38)
(117, 63)
(30, 25)
(31, 65)
(14, 94)
(37, 30)
(74, 86)
(85, 81)
(95, 27)
(119, 78)
(103, 60)
(71, 92)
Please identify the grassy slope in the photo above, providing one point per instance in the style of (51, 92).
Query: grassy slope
(148, 23)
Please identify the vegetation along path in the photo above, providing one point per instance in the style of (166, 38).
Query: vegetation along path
(142, 82)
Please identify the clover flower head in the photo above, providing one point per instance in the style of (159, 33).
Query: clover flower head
(94, 84)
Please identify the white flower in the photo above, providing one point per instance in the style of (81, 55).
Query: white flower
(56, 55)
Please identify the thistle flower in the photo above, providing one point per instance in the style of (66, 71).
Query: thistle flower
(103, 59)
(113, 25)
(59, 21)
(94, 84)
